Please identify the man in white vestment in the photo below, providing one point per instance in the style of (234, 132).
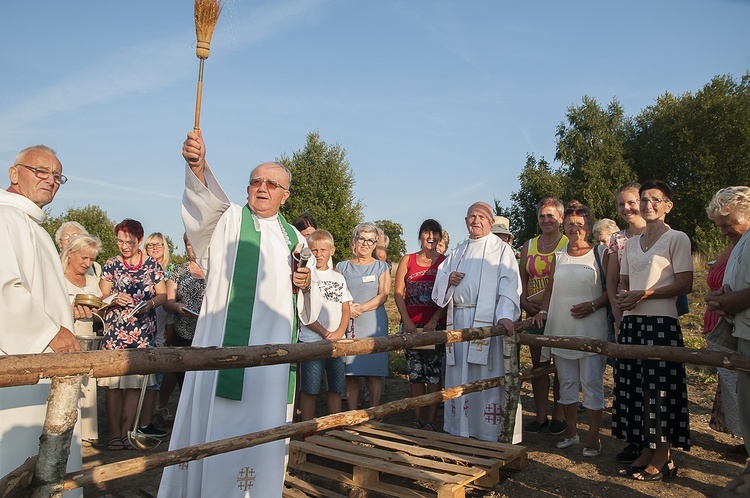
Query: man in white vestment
(480, 285)
(247, 254)
(35, 312)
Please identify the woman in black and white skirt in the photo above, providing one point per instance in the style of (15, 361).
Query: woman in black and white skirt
(650, 405)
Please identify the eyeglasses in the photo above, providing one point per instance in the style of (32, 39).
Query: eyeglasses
(366, 242)
(272, 185)
(44, 174)
(125, 243)
(654, 202)
(576, 212)
(155, 245)
(68, 236)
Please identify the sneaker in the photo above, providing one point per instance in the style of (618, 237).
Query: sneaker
(588, 451)
(533, 427)
(565, 443)
(164, 415)
(557, 427)
(152, 430)
(630, 453)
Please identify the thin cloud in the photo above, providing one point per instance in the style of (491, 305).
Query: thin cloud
(110, 188)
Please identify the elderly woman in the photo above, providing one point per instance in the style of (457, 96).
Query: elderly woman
(576, 308)
(369, 282)
(603, 230)
(136, 284)
(412, 291)
(730, 211)
(77, 258)
(536, 261)
(650, 406)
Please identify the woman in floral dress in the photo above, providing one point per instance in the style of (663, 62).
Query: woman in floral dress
(137, 283)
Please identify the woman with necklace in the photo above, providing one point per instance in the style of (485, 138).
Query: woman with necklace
(536, 260)
(137, 284)
(577, 308)
(369, 282)
(412, 291)
(650, 406)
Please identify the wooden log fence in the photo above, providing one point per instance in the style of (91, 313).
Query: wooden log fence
(17, 370)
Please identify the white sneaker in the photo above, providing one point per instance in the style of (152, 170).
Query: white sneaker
(588, 451)
(565, 443)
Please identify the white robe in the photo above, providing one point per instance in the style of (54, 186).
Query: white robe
(33, 306)
(213, 227)
(489, 291)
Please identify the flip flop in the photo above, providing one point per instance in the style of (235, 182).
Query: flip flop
(115, 444)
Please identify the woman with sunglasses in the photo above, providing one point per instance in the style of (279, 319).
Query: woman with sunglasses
(650, 406)
(574, 305)
(369, 282)
(136, 284)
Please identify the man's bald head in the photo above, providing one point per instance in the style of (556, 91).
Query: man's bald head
(479, 219)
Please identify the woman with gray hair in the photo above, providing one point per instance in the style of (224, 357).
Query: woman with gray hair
(68, 230)
(369, 282)
(730, 211)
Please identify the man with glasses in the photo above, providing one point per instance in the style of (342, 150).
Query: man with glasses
(35, 312)
(250, 291)
(480, 285)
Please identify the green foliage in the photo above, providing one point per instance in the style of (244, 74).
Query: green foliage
(395, 232)
(323, 186)
(590, 146)
(698, 143)
(537, 181)
(95, 220)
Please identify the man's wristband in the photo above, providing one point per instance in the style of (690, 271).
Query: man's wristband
(593, 306)
(542, 312)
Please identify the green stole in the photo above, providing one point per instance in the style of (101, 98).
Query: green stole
(241, 301)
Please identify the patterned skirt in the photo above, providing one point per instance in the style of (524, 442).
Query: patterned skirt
(650, 404)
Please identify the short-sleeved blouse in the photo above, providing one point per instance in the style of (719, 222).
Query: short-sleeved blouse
(137, 331)
(190, 292)
(656, 268)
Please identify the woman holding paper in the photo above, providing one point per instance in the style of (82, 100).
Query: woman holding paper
(536, 258)
(185, 288)
(134, 286)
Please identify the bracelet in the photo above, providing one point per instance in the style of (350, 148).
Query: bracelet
(593, 306)
(542, 312)
(153, 305)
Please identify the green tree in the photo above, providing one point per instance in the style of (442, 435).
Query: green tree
(323, 185)
(537, 181)
(698, 143)
(591, 148)
(95, 220)
(395, 232)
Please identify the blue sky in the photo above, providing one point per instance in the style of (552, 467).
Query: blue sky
(436, 102)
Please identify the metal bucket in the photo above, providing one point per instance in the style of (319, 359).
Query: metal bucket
(90, 342)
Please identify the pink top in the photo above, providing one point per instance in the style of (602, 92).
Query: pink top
(714, 279)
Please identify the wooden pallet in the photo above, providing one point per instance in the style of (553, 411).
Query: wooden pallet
(440, 464)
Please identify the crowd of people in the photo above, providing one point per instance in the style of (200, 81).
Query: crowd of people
(580, 277)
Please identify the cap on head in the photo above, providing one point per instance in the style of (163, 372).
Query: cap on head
(502, 225)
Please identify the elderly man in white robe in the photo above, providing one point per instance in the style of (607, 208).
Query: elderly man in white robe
(480, 285)
(247, 254)
(35, 312)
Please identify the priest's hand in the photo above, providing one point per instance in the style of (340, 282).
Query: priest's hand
(194, 152)
(301, 279)
(64, 342)
(510, 329)
(455, 278)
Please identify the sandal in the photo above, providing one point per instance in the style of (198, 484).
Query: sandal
(665, 473)
(429, 426)
(126, 444)
(632, 470)
(417, 424)
(115, 444)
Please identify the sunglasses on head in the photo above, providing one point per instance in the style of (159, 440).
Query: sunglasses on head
(576, 212)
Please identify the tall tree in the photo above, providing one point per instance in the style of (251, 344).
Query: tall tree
(590, 146)
(323, 186)
(538, 180)
(395, 232)
(698, 143)
(95, 220)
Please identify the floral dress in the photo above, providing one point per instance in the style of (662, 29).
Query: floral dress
(137, 331)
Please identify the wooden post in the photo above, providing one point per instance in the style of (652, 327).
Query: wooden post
(512, 389)
(54, 445)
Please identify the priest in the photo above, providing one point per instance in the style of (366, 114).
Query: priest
(35, 312)
(480, 285)
(247, 252)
